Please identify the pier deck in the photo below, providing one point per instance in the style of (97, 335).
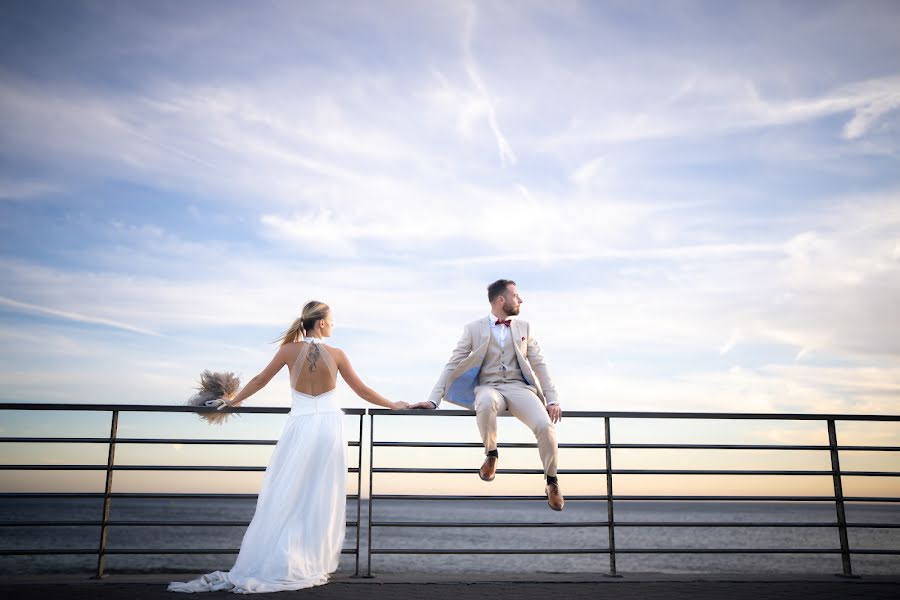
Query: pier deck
(644, 586)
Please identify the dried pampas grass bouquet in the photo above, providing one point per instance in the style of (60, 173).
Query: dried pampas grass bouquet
(214, 390)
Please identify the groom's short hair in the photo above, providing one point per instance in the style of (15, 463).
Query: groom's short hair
(498, 288)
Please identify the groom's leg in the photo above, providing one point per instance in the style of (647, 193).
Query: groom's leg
(528, 408)
(488, 403)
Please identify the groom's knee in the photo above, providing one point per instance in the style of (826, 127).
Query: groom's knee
(487, 402)
(543, 427)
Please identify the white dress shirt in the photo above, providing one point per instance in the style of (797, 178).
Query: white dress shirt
(500, 332)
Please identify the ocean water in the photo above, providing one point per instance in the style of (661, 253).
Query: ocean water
(207, 537)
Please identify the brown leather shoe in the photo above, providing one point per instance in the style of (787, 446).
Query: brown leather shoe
(554, 497)
(488, 468)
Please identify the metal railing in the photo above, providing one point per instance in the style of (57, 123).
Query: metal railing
(608, 471)
(104, 522)
(610, 497)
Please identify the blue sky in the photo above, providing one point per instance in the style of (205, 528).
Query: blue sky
(700, 201)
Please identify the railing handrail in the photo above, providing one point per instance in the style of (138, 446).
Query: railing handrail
(153, 408)
(455, 412)
(657, 415)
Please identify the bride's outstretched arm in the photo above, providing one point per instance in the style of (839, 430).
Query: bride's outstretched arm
(261, 379)
(361, 389)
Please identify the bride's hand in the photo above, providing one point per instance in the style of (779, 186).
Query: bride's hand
(399, 405)
(221, 404)
(427, 405)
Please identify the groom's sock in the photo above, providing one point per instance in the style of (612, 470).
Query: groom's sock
(493, 453)
(552, 479)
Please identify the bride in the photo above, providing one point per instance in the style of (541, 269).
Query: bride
(295, 538)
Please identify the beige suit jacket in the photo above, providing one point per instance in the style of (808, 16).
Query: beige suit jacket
(459, 377)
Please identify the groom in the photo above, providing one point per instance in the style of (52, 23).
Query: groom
(497, 366)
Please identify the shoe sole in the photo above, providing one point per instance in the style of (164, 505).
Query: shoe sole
(485, 479)
(554, 508)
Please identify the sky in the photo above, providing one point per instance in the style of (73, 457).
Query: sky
(699, 201)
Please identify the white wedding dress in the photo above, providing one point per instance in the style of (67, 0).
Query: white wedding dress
(295, 538)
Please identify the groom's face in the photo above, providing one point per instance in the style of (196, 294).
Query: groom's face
(511, 300)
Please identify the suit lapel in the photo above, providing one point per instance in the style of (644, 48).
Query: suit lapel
(485, 331)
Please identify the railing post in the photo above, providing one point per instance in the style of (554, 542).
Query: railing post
(371, 464)
(110, 460)
(839, 499)
(610, 513)
(359, 463)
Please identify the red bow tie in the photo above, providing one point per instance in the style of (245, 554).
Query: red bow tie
(499, 322)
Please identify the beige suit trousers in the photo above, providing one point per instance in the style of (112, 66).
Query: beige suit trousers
(521, 401)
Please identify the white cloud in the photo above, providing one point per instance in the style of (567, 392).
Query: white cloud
(70, 316)
(20, 189)
(374, 184)
(507, 156)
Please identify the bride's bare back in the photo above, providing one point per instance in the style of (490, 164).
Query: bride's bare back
(314, 370)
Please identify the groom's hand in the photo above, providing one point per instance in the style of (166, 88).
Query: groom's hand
(555, 412)
(428, 405)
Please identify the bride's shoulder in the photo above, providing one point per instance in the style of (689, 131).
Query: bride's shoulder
(334, 349)
(336, 353)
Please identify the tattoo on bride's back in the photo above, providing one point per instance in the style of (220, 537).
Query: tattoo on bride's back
(313, 357)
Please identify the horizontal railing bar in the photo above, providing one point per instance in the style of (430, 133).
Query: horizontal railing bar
(622, 550)
(63, 440)
(45, 552)
(759, 524)
(870, 448)
(16, 495)
(755, 498)
(140, 468)
(450, 524)
(89, 495)
(747, 447)
(155, 408)
(638, 472)
(355, 444)
(188, 495)
(499, 471)
(647, 498)
(717, 447)
(613, 446)
(746, 472)
(643, 446)
(134, 523)
(478, 498)
(379, 412)
(655, 415)
(475, 445)
(138, 495)
(490, 551)
(35, 552)
(746, 551)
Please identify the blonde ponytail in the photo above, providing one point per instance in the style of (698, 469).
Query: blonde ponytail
(313, 312)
